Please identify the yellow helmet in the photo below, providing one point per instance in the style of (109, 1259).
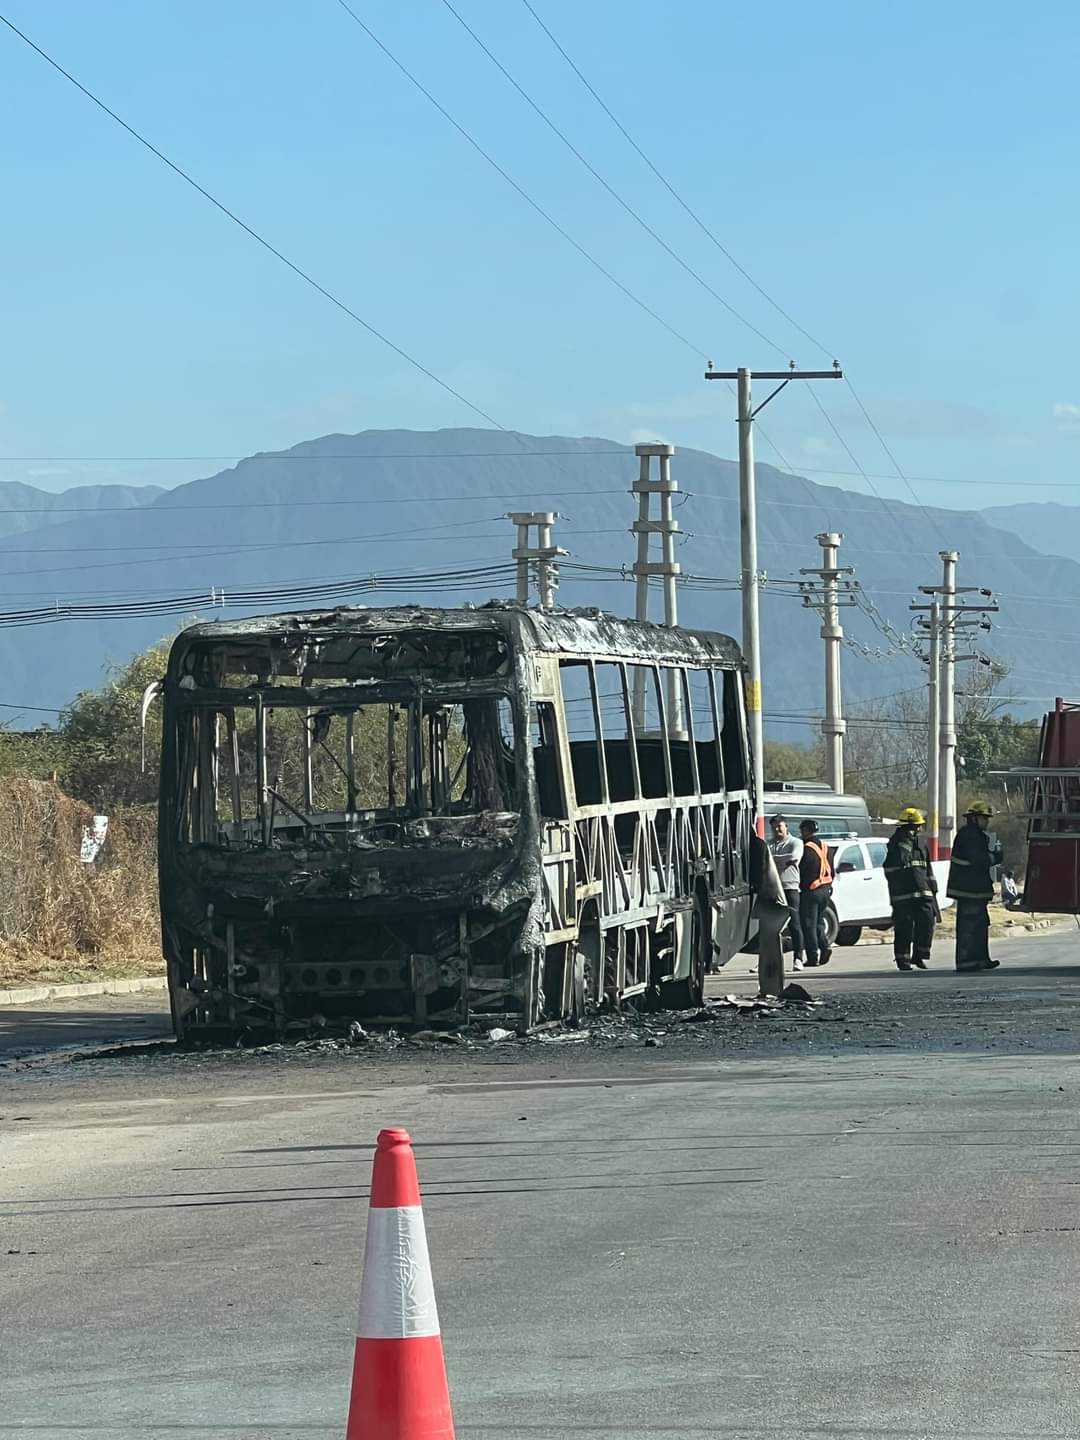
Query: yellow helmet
(912, 816)
(979, 807)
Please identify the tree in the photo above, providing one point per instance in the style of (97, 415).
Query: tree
(100, 741)
(885, 748)
(887, 738)
(785, 760)
(995, 743)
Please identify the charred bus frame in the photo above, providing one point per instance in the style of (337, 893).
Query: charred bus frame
(424, 816)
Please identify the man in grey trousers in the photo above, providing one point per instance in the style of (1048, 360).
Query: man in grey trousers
(787, 851)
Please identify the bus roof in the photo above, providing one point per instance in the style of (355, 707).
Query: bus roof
(585, 632)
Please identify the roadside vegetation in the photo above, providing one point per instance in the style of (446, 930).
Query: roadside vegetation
(62, 920)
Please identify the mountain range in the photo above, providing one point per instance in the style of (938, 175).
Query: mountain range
(385, 502)
(25, 507)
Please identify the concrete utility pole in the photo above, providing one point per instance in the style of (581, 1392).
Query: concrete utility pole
(947, 700)
(668, 568)
(828, 601)
(543, 555)
(947, 617)
(751, 578)
(933, 757)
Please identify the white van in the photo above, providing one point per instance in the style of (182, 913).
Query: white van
(860, 898)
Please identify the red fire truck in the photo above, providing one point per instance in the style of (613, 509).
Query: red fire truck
(1048, 797)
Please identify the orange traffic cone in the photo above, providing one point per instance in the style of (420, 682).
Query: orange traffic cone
(399, 1389)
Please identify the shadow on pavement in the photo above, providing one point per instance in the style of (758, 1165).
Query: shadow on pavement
(25, 1030)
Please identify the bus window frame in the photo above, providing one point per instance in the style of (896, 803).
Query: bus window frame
(688, 714)
(601, 746)
(665, 740)
(631, 731)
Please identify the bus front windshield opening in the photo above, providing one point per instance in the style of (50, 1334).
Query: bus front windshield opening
(275, 773)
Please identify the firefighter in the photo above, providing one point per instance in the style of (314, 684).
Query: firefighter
(912, 891)
(815, 892)
(971, 885)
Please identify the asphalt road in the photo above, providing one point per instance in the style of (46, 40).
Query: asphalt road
(1041, 962)
(89, 1020)
(857, 1242)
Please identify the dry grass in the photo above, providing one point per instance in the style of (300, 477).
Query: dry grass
(61, 920)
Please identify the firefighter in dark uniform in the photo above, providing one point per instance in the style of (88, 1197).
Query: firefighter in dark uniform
(971, 885)
(912, 891)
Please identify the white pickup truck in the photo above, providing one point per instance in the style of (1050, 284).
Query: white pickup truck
(860, 898)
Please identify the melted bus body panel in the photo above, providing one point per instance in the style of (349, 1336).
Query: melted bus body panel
(423, 816)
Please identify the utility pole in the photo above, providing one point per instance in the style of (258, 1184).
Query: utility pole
(947, 700)
(828, 601)
(667, 567)
(933, 721)
(751, 578)
(948, 617)
(543, 556)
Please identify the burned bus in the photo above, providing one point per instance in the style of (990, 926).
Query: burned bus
(426, 817)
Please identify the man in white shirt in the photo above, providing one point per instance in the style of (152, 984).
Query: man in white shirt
(787, 851)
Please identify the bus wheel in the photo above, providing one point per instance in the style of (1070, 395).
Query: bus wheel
(577, 990)
(587, 959)
(690, 993)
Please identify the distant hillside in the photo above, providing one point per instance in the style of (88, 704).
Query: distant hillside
(1044, 525)
(24, 507)
(386, 501)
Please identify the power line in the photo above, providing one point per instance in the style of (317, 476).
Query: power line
(149, 603)
(291, 458)
(218, 554)
(231, 548)
(676, 196)
(853, 545)
(874, 722)
(189, 555)
(535, 204)
(619, 200)
(945, 480)
(339, 303)
(309, 279)
(254, 234)
(881, 441)
(152, 508)
(855, 460)
(480, 577)
(1069, 600)
(232, 585)
(693, 215)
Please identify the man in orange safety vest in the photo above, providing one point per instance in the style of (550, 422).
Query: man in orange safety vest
(815, 892)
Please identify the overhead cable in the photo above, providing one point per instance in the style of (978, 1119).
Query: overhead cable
(619, 199)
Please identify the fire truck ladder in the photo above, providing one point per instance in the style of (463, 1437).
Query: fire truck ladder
(1047, 797)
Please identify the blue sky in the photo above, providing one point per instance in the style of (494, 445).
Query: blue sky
(900, 178)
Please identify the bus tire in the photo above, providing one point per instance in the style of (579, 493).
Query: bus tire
(587, 959)
(689, 994)
(848, 934)
(577, 989)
